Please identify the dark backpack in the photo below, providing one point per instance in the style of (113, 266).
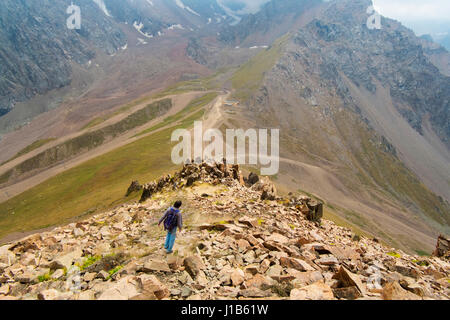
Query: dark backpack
(171, 220)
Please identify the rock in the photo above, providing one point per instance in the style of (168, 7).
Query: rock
(412, 286)
(107, 263)
(124, 289)
(295, 264)
(276, 237)
(259, 281)
(267, 188)
(201, 281)
(316, 291)
(230, 292)
(327, 260)
(349, 293)
(237, 277)
(194, 265)
(26, 277)
(185, 278)
(252, 178)
(442, 247)
(175, 292)
(306, 278)
(243, 245)
(50, 294)
(274, 270)
(186, 292)
(6, 256)
(405, 270)
(264, 266)
(252, 223)
(156, 266)
(348, 279)
(150, 285)
(255, 293)
(89, 276)
(315, 212)
(78, 232)
(134, 187)
(174, 262)
(252, 269)
(4, 289)
(86, 295)
(66, 260)
(393, 291)
(58, 274)
(103, 275)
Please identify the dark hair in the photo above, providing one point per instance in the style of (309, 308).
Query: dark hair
(177, 204)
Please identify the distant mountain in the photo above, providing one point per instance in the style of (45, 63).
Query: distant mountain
(37, 48)
(39, 52)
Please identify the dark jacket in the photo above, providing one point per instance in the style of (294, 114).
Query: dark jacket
(178, 215)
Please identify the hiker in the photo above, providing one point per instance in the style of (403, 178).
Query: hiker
(172, 221)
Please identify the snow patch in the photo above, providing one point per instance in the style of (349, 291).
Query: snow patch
(180, 4)
(175, 26)
(139, 27)
(102, 7)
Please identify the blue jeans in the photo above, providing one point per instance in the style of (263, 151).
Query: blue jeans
(170, 240)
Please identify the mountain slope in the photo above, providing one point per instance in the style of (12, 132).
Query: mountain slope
(370, 108)
(235, 245)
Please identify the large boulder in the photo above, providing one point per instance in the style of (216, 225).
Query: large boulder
(194, 265)
(124, 289)
(252, 178)
(267, 189)
(316, 291)
(394, 291)
(134, 187)
(442, 247)
(6, 256)
(150, 286)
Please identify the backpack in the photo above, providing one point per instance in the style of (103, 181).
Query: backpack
(171, 221)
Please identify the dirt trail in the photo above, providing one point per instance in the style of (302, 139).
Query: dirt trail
(179, 103)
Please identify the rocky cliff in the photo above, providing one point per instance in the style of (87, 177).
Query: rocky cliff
(236, 244)
(38, 49)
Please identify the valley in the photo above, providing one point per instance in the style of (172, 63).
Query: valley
(363, 114)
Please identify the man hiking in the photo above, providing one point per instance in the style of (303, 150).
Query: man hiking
(172, 221)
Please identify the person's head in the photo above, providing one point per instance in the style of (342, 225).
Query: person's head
(177, 204)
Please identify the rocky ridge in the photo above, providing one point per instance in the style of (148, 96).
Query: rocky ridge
(241, 241)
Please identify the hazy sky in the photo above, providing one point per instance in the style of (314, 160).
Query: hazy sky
(415, 10)
(423, 16)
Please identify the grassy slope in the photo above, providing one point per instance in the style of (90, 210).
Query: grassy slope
(88, 140)
(31, 147)
(95, 185)
(191, 107)
(249, 77)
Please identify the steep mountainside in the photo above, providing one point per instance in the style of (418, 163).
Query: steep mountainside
(40, 54)
(236, 244)
(37, 48)
(363, 113)
(367, 106)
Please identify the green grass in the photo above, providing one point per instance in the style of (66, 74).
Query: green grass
(35, 145)
(250, 76)
(94, 122)
(193, 106)
(88, 140)
(90, 260)
(99, 183)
